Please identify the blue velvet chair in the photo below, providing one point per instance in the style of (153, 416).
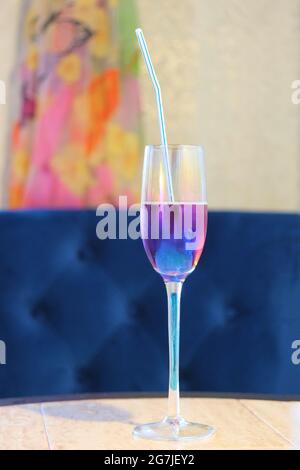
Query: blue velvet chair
(80, 315)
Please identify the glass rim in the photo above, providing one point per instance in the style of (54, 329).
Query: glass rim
(174, 146)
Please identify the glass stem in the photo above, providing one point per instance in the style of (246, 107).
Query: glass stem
(174, 295)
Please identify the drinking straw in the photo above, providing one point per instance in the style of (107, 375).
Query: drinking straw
(156, 86)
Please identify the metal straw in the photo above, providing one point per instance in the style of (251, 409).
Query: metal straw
(156, 86)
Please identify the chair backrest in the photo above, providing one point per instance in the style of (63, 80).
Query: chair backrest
(80, 315)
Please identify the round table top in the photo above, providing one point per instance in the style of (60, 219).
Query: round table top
(107, 423)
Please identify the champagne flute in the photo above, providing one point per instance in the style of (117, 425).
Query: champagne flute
(173, 235)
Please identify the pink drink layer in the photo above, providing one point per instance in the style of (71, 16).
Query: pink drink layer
(173, 237)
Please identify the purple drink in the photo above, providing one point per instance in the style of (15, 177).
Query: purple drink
(173, 237)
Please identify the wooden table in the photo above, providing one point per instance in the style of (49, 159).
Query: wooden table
(107, 424)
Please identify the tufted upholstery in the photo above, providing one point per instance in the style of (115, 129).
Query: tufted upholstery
(82, 315)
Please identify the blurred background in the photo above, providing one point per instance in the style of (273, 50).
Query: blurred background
(226, 69)
(79, 109)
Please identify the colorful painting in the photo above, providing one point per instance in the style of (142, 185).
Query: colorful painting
(76, 138)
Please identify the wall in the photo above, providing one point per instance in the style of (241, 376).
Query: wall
(8, 33)
(226, 68)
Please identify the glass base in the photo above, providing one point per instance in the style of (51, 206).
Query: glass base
(173, 429)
